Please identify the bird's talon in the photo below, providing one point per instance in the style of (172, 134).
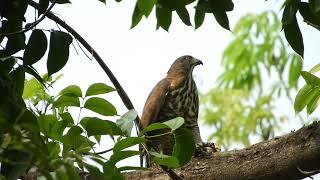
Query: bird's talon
(206, 149)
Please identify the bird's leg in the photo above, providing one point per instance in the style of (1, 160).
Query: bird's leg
(202, 148)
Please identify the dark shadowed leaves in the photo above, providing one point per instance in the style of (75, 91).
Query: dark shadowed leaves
(43, 5)
(294, 36)
(36, 47)
(308, 14)
(164, 16)
(58, 51)
(184, 15)
(222, 19)
(136, 16)
(146, 6)
(199, 18)
(184, 145)
(291, 28)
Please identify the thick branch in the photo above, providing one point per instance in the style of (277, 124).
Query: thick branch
(123, 95)
(285, 157)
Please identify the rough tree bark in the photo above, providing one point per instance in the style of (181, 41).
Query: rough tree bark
(293, 156)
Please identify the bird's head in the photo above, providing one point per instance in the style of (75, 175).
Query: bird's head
(184, 65)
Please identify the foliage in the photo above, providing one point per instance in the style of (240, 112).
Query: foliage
(308, 96)
(243, 105)
(46, 138)
(310, 11)
(39, 135)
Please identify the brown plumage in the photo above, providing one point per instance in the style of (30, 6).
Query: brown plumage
(175, 95)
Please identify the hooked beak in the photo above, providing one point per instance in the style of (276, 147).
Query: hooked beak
(197, 62)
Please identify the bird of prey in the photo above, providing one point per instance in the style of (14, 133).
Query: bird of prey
(174, 96)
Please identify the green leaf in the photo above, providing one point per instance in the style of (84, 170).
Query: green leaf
(29, 121)
(294, 71)
(315, 69)
(58, 51)
(136, 16)
(308, 14)
(126, 121)
(100, 106)
(164, 16)
(32, 71)
(36, 47)
(310, 78)
(291, 28)
(184, 146)
(96, 126)
(313, 104)
(146, 6)
(57, 130)
(120, 155)
(103, 1)
(184, 15)
(161, 159)
(74, 139)
(221, 5)
(199, 18)
(294, 37)
(174, 123)
(63, 101)
(18, 76)
(304, 96)
(46, 122)
(67, 118)
(71, 90)
(54, 149)
(222, 19)
(152, 127)
(98, 88)
(289, 13)
(127, 142)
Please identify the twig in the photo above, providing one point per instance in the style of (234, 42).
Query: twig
(311, 24)
(35, 23)
(105, 151)
(123, 95)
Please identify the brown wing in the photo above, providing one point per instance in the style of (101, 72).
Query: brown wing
(154, 103)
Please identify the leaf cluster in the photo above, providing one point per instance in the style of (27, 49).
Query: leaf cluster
(258, 69)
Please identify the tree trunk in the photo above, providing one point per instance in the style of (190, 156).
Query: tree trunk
(293, 156)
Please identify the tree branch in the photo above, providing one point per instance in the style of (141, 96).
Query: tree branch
(123, 95)
(280, 158)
